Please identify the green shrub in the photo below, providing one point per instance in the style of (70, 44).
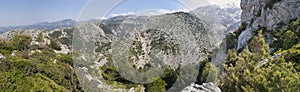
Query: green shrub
(208, 72)
(292, 55)
(258, 47)
(288, 39)
(5, 48)
(18, 82)
(156, 86)
(21, 41)
(40, 37)
(55, 44)
(242, 72)
(66, 59)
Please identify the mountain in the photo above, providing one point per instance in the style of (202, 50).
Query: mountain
(167, 36)
(229, 15)
(263, 51)
(140, 38)
(43, 25)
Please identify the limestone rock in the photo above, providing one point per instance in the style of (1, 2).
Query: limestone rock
(205, 87)
(269, 14)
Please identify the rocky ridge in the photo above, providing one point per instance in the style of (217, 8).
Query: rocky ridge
(267, 14)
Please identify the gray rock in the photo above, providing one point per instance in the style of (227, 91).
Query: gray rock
(263, 62)
(205, 87)
(2, 57)
(266, 13)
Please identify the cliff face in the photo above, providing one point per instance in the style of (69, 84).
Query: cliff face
(269, 14)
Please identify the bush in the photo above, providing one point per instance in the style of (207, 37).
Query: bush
(258, 47)
(55, 44)
(18, 82)
(21, 41)
(5, 47)
(156, 86)
(242, 72)
(66, 59)
(208, 73)
(36, 71)
(288, 39)
(292, 55)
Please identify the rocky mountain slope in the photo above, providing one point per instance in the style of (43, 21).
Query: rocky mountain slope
(166, 33)
(167, 36)
(186, 44)
(229, 15)
(267, 14)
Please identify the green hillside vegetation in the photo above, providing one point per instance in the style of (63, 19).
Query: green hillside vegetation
(35, 68)
(259, 67)
(288, 36)
(246, 71)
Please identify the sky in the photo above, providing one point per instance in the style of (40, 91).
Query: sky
(25, 12)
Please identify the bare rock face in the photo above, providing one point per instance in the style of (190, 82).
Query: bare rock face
(269, 14)
(205, 87)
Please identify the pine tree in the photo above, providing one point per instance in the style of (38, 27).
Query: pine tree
(242, 74)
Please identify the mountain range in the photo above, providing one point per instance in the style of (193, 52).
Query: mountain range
(249, 47)
(228, 15)
(42, 26)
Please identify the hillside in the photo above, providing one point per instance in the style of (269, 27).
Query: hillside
(263, 54)
(42, 49)
(210, 49)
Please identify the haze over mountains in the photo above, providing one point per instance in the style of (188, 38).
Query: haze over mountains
(43, 25)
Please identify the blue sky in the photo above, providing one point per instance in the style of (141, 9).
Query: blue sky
(20, 12)
(24, 12)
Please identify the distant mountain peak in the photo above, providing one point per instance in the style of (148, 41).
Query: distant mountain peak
(231, 5)
(65, 23)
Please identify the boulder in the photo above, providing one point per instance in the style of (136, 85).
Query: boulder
(205, 87)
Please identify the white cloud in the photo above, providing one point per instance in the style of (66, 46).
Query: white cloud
(193, 4)
(122, 14)
(153, 12)
(150, 12)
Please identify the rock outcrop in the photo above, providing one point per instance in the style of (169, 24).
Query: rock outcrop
(10, 34)
(268, 14)
(205, 87)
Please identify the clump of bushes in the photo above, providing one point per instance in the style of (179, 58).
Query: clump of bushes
(288, 36)
(242, 72)
(156, 86)
(21, 41)
(55, 44)
(34, 69)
